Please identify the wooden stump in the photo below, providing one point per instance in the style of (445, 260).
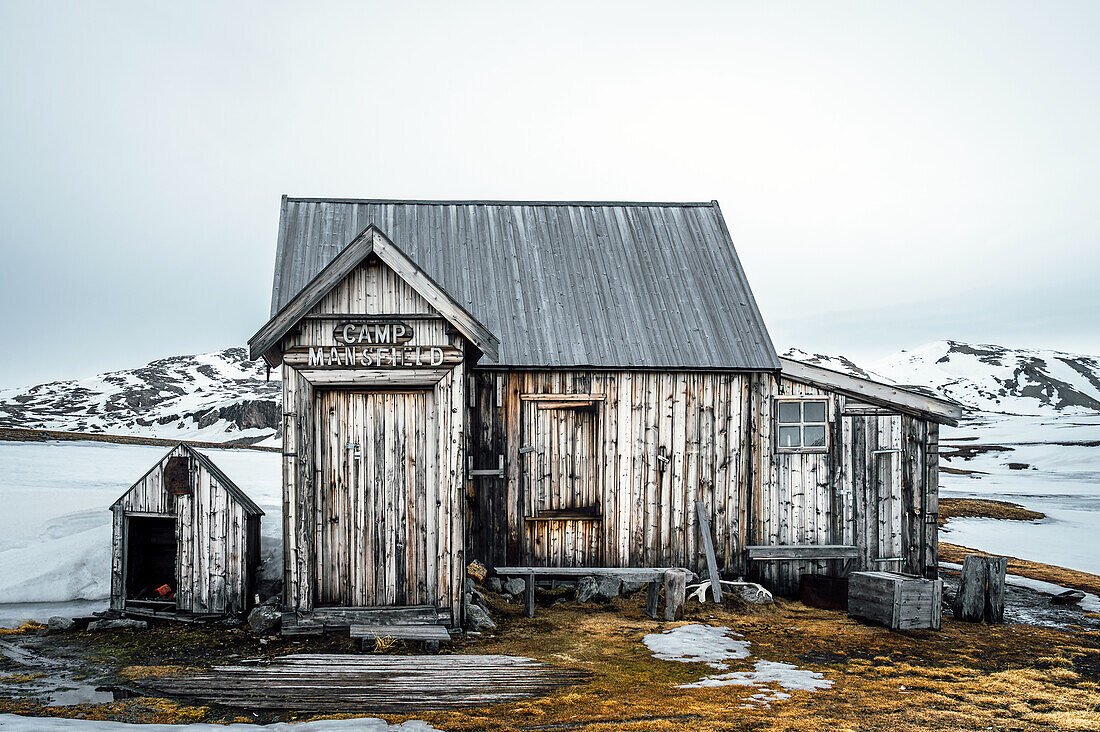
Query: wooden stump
(675, 590)
(981, 594)
(996, 567)
(969, 604)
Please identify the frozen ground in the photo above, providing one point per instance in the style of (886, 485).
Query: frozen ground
(55, 529)
(1056, 470)
(16, 723)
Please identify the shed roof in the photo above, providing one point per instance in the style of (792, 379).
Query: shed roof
(247, 503)
(560, 284)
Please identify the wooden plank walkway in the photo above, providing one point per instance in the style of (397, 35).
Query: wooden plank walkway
(350, 683)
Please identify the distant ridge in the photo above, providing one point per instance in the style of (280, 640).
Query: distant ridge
(986, 377)
(219, 397)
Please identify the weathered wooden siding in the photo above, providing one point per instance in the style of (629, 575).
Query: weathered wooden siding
(796, 498)
(214, 563)
(662, 441)
(875, 488)
(325, 527)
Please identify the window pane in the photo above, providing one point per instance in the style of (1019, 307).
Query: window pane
(815, 436)
(789, 437)
(788, 412)
(813, 411)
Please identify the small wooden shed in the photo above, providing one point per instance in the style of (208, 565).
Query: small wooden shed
(186, 540)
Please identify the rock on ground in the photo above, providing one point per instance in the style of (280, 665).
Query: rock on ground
(496, 585)
(602, 588)
(756, 595)
(478, 619)
(608, 587)
(514, 586)
(586, 589)
(58, 623)
(264, 619)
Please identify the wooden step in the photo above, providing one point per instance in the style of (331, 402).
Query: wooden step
(401, 632)
(340, 619)
(402, 615)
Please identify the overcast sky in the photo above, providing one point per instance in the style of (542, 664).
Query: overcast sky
(892, 173)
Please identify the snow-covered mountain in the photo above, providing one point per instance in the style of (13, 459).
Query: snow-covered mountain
(215, 397)
(224, 397)
(985, 377)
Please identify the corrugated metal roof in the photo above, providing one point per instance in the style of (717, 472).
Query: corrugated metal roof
(561, 284)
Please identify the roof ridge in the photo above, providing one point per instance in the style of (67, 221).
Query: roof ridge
(499, 202)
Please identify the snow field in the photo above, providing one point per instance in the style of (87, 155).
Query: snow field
(55, 529)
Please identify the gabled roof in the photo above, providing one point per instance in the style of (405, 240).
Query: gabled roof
(561, 284)
(936, 409)
(249, 506)
(369, 242)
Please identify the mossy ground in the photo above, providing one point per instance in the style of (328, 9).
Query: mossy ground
(984, 508)
(962, 678)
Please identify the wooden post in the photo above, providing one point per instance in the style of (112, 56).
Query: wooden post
(652, 592)
(996, 567)
(530, 595)
(675, 588)
(969, 604)
(708, 547)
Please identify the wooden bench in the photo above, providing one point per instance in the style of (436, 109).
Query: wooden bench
(794, 552)
(673, 579)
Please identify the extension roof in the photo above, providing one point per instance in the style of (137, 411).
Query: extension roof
(901, 399)
(559, 284)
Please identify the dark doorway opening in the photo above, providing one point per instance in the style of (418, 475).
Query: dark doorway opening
(151, 561)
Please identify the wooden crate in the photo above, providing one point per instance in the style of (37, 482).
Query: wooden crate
(898, 601)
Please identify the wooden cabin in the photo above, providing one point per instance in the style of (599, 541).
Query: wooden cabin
(558, 384)
(186, 540)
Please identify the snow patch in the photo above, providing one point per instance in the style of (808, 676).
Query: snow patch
(17, 723)
(713, 645)
(696, 643)
(773, 678)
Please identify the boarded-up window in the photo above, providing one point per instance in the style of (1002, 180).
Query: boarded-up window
(177, 475)
(560, 465)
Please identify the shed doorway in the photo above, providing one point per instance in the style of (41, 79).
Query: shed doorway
(151, 560)
(376, 504)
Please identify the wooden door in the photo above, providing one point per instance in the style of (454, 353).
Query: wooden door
(374, 453)
(561, 484)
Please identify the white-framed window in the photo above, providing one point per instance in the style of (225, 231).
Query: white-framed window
(802, 424)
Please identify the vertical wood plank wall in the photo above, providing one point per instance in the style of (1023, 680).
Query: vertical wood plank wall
(665, 440)
(876, 488)
(798, 504)
(212, 539)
